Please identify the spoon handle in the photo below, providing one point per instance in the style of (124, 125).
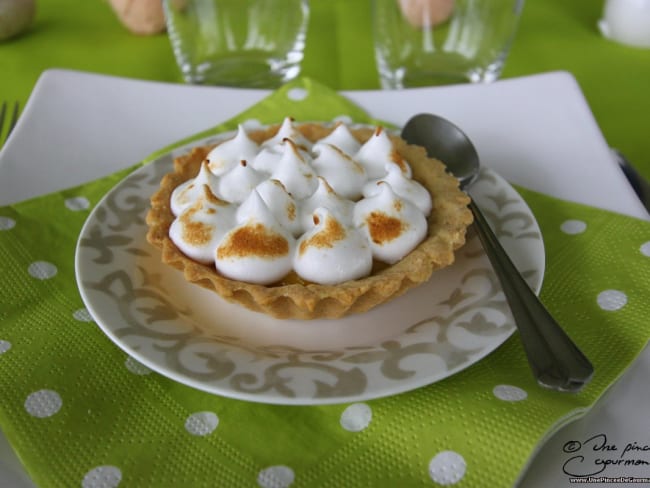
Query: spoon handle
(556, 361)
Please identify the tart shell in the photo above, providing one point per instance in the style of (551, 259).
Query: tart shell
(447, 225)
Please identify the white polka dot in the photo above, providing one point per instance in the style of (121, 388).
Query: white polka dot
(82, 315)
(4, 346)
(42, 270)
(6, 223)
(447, 468)
(645, 249)
(77, 203)
(297, 94)
(356, 417)
(136, 367)
(43, 403)
(346, 119)
(102, 477)
(252, 124)
(276, 477)
(611, 300)
(201, 423)
(509, 393)
(573, 226)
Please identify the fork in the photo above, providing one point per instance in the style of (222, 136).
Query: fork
(12, 120)
(640, 185)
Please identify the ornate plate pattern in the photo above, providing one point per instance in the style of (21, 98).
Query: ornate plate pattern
(193, 336)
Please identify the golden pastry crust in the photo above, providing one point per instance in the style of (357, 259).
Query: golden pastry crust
(447, 225)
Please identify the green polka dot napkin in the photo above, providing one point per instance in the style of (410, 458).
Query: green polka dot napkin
(79, 412)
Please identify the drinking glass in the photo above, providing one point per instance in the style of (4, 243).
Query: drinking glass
(243, 43)
(436, 42)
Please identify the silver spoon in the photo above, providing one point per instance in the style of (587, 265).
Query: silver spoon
(555, 360)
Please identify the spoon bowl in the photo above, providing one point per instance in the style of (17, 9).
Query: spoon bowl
(555, 360)
(447, 142)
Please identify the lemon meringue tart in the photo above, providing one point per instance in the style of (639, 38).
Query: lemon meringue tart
(308, 220)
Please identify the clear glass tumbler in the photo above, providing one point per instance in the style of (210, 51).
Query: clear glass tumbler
(242, 43)
(437, 42)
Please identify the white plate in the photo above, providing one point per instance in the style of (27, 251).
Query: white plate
(193, 336)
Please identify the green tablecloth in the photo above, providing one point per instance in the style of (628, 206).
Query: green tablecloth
(65, 387)
(553, 35)
(130, 424)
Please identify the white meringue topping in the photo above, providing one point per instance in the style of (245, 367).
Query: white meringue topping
(376, 152)
(236, 184)
(326, 197)
(258, 250)
(267, 159)
(199, 228)
(343, 174)
(185, 194)
(288, 131)
(290, 205)
(294, 171)
(282, 205)
(393, 225)
(342, 138)
(402, 186)
(226, 155)
(332, 252)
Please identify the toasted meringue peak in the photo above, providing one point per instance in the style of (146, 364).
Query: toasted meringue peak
(393, 225)
(282, 205)
(267, 159)
(236, 184)
(326, 197)
(258, 250)
(199, 228)
(288, 131)
(332, 252)
(344, 175)
(188, 192)
(294, 171)
(342, 138)
(377, 152)
(226, 155)
(210, 197)
(402, 186)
